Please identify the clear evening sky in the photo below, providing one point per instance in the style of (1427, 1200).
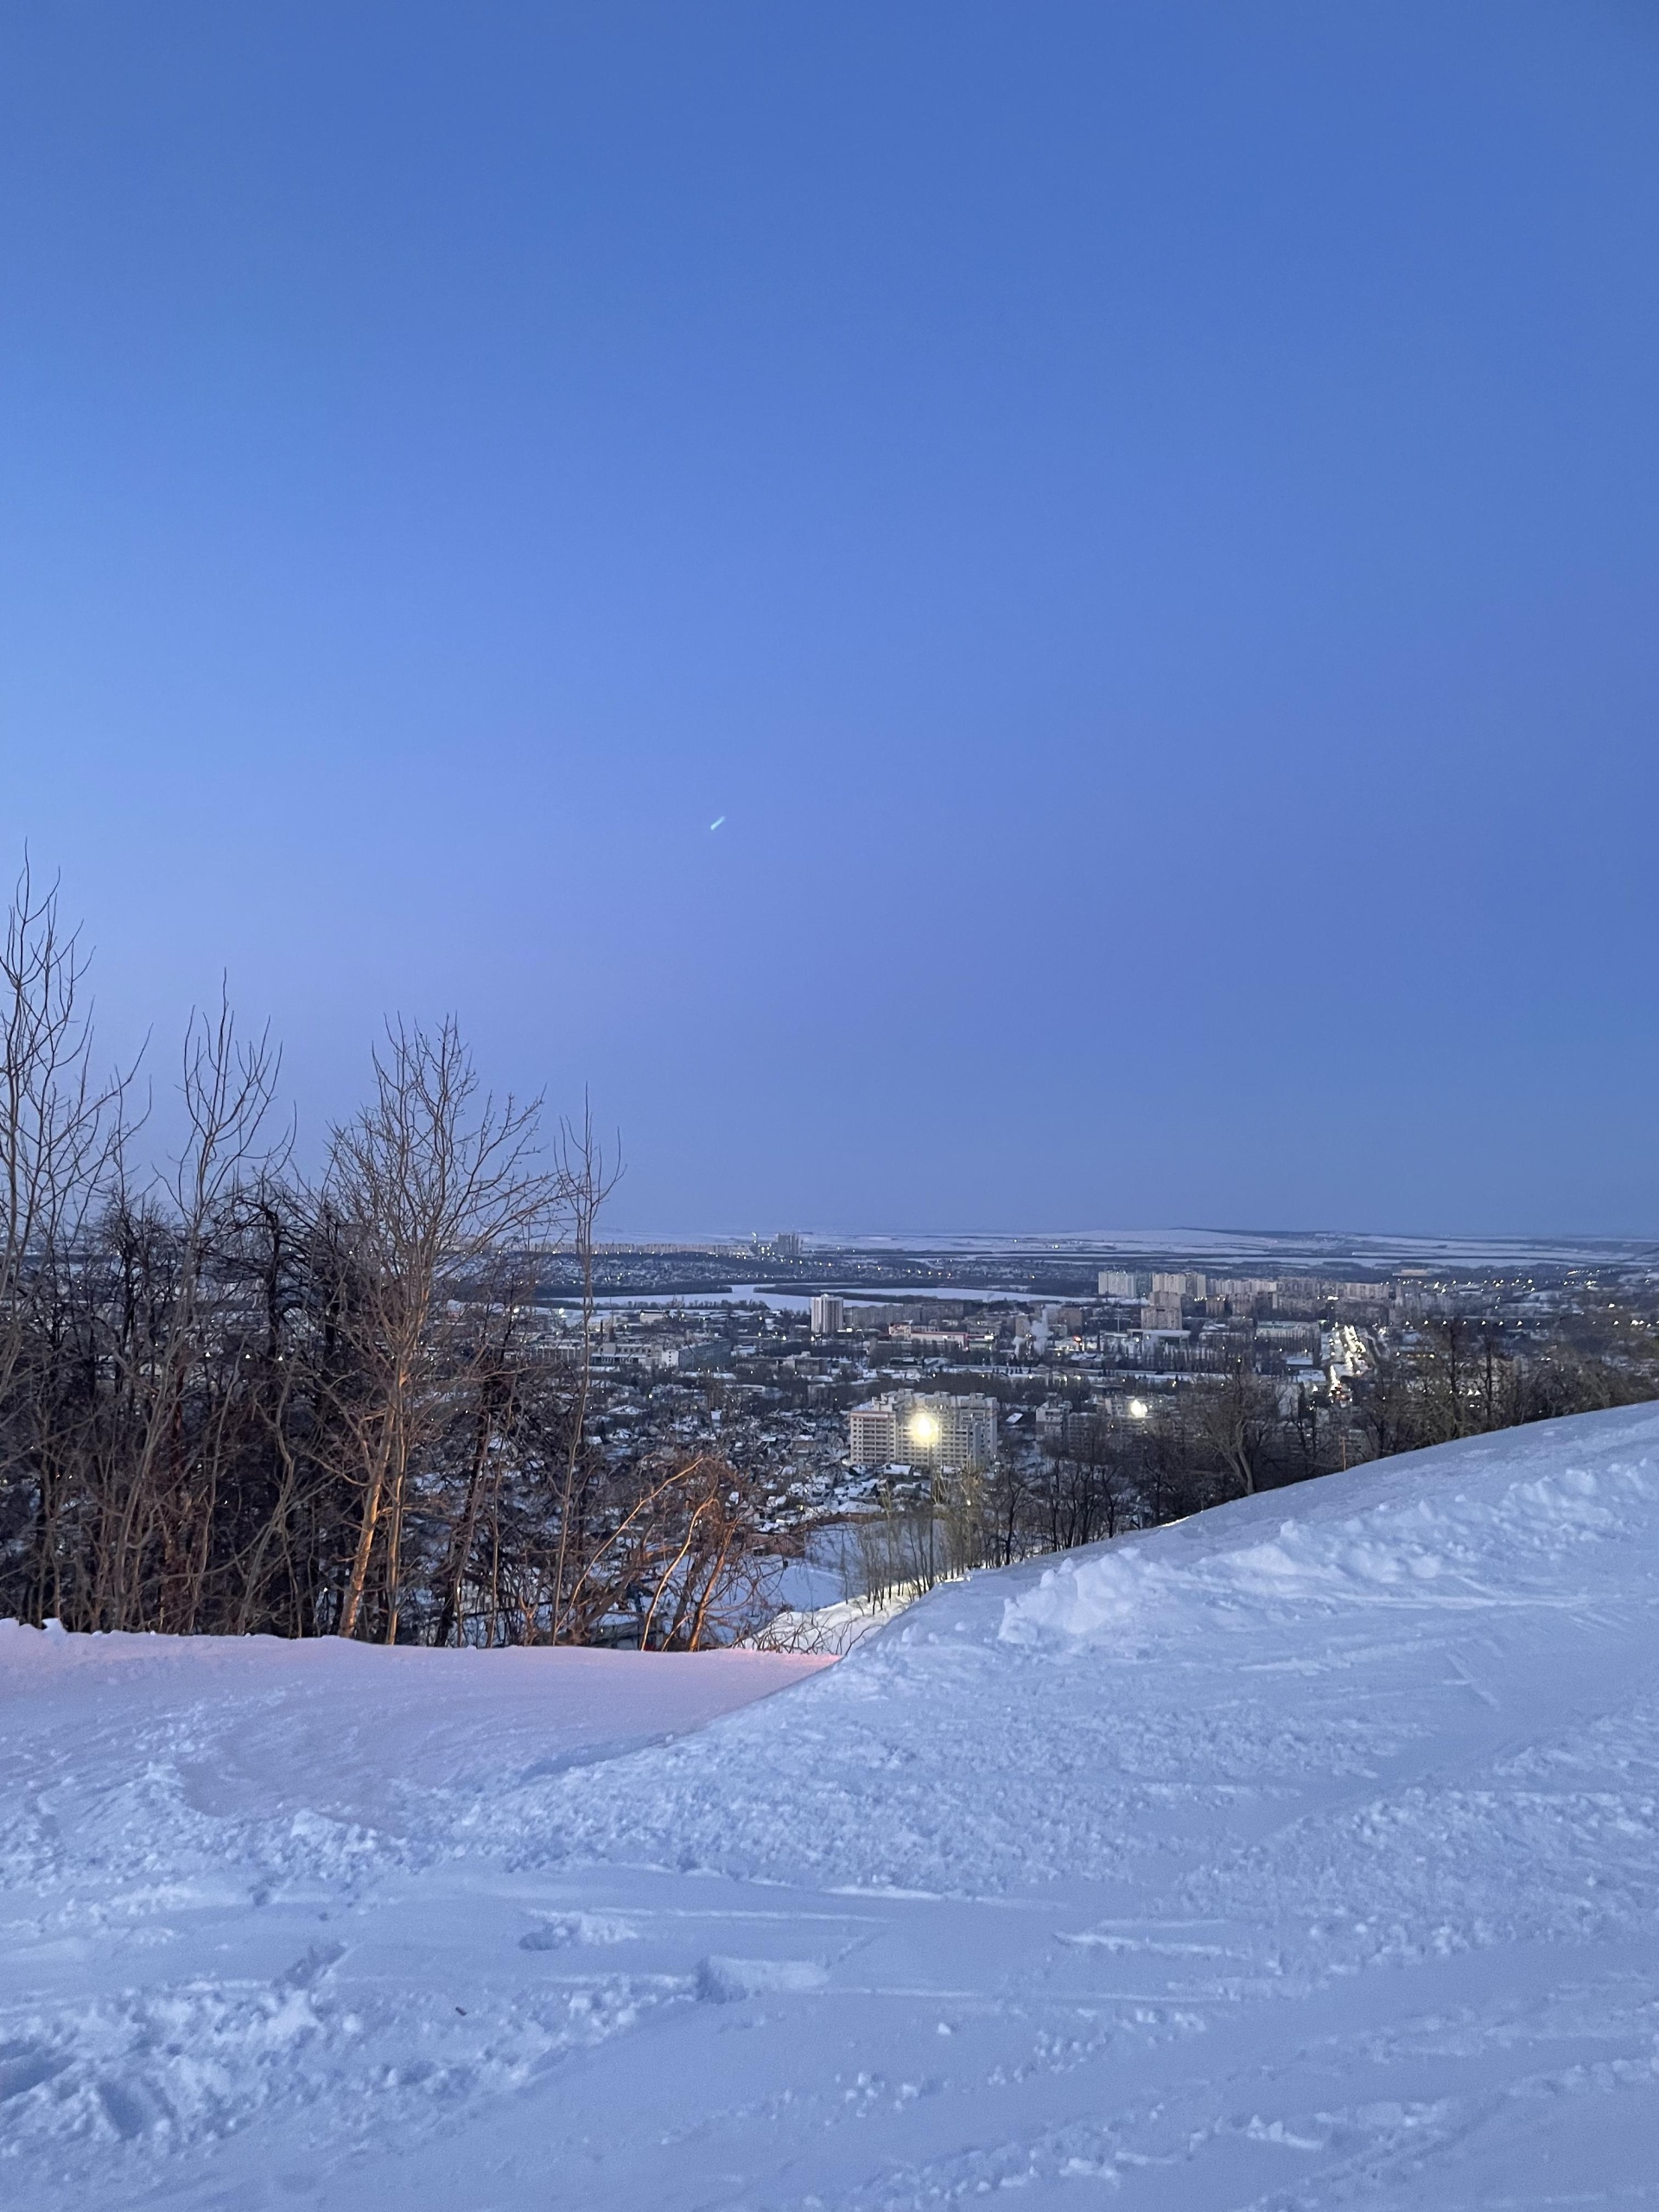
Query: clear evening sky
(1142, 519)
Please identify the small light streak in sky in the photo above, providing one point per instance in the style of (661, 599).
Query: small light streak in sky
(715, 823)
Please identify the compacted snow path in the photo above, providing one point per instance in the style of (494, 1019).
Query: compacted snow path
(1306, 1853)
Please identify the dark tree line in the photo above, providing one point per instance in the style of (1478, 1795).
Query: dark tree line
(233, 1400)
(1243, 1432)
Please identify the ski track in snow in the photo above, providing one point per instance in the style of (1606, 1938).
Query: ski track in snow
(1303, 1854)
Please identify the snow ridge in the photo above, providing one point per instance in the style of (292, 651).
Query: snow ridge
(1305, 1853)
(1476, 1550)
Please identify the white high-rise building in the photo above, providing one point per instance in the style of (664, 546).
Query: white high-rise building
(906, 1428)
(828, 1315)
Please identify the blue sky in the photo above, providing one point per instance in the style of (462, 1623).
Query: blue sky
(1143, 520)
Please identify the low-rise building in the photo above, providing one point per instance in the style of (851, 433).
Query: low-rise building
(1051, 1422)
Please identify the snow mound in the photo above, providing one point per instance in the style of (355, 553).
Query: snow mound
(1302, 1854)
(1476, 1549)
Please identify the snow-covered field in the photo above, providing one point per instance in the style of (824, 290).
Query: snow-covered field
(1305, 1853)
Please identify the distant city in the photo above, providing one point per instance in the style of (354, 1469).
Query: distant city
(1098, 1379)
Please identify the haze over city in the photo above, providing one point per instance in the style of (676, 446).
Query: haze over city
(1137, 524)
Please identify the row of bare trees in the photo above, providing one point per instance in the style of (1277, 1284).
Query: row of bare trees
(1243, 1432)
(233, 1398)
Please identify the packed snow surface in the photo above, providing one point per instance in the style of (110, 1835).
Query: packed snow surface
(1306, 1853)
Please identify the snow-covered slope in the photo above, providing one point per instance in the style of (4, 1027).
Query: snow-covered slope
(1305, 1853)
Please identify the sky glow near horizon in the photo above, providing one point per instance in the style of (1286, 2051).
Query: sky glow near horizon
(1149, 513)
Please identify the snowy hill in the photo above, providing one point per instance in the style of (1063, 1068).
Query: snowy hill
(1304, 1853)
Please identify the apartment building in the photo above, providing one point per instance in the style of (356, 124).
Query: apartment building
(906, 1428)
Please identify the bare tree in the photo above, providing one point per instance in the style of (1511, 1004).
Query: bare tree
(158, 1503)
(1239, 1421)
(429, 1182)
(59, 1129)
(587, 1179)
